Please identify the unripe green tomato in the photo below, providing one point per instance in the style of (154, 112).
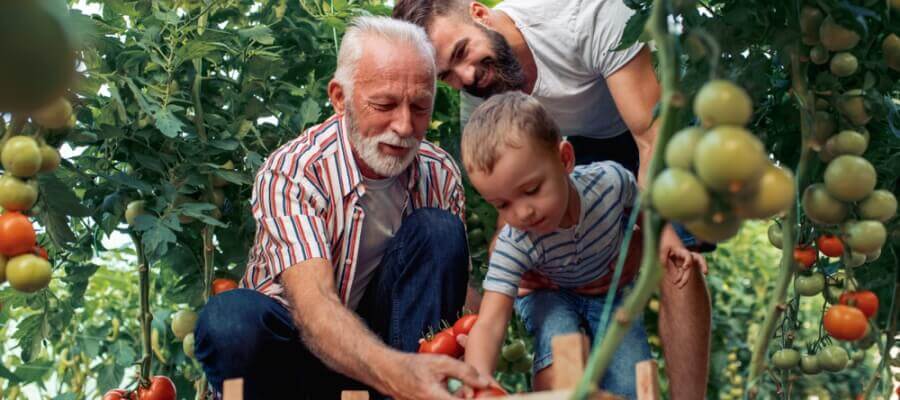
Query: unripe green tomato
(823, 127)
(523, 365)
(836, 37)
(15, 194)
(881, 205)
(833, 358)
(680, 150)
(729, 159)
(721, 102)
(786, 358)
(820, 207)
(183, 323)
(809, 285)
(188, 345)
(775, 235)
(773, 194)
(866, 236)
(21, 156)
(850, 178)
(717, 228)
(809, 364)
(50, 158)
(678, 195)
(843, 64)
(514, 351)
(853, 259)
(818, 55)
(847, 142)
(133, 210)
(875, 255)
(853, 107)
(28, 273)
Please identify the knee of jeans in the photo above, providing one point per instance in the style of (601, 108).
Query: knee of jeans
(231, 324)
(443, 233)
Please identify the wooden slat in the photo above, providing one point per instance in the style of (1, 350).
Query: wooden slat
(559, 395)
(233, 389)
(568, 360)
(354, 395)
(647, 380)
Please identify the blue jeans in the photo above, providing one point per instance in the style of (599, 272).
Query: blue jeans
(548, 313)
(421, 280)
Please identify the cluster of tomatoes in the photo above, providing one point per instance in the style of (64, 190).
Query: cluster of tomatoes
(22, 261)
(718, 174)
(160, 388)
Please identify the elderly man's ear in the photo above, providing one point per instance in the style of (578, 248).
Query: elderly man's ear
(337, 96)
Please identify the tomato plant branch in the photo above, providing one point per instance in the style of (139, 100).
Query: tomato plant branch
(198, 106)
(888, 343)
(789, 230)
(146, 317)
(650, 269)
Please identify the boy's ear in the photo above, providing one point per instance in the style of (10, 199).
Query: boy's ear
(567, 155)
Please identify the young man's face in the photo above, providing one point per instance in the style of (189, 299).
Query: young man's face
(390, 107)
(529, 186)
(474, 58)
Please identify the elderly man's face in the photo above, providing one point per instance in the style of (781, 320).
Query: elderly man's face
(474, 58)
(390, 107)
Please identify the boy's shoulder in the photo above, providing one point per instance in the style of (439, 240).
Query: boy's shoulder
(602, 173)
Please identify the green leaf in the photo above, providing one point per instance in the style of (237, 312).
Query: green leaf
(8, 375)
(109, 376)
(34, 371)
(634, 28)
(260, 33)
(233, 177)
(310, 112)
(155, 234)
(123, 353)
(59, 198)
(58, 228)
(193, 49)
(129, 181)
(166, 122)
(29, 333)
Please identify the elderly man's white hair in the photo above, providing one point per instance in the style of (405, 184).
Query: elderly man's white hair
(395, 30)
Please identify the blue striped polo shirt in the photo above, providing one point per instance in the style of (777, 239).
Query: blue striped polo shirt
(578, 255)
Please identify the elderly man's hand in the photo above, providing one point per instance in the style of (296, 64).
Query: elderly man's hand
(424, 376)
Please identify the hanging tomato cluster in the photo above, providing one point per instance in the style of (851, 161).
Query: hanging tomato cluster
(719, 174)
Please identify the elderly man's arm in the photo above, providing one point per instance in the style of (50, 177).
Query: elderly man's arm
(342, 341)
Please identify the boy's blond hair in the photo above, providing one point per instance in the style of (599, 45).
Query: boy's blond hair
(511, 119)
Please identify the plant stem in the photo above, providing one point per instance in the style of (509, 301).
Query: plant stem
(198, 106)
(650, 269)
(789, 228)
(888, 343)
(208, 266)
(146, 317)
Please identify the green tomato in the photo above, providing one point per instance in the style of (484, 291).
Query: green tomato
(847, 142)
(809, 364)
(850, 178)
(833, 358)
(183, 323)
(514, 351)
(775, 235)
(786, 358)
(729, 159)
(865, 236)
(188, 345)
(835, 37)
(523, 365)
(16, 194)
(809, 285)
(718, 228)
(680, 150)
(773, 194)
(820, 207)
(853, 259)
(133, 210)
(881, 205)
(720, 102)
(21, 156)
(853, 107)
(3, 261)
(844, 64)
(678, 195)
(818, 55)
(823, 127)
(28, 273)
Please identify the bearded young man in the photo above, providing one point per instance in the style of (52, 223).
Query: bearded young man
(360, 243)
(562, 52)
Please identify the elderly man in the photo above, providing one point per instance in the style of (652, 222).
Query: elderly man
(360, 243)
(564, 54)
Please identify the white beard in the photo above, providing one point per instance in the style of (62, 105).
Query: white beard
(366, 149)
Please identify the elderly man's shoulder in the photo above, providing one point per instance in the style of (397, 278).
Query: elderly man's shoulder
(313, 145)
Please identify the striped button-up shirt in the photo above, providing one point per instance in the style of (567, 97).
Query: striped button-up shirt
(306, 205)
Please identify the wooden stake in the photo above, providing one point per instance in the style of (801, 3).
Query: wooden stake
(568, 360)
(647, 380)
(233, 389)
(354, 395)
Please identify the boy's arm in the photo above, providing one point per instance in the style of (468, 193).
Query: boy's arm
(486, 337)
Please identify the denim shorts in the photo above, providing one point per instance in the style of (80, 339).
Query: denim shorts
(548, 313)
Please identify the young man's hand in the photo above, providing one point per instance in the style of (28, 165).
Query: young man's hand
(673, 254)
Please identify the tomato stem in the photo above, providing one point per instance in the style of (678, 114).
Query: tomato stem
(650, 269)
(883, 367)
(146, 316)
(789, 234)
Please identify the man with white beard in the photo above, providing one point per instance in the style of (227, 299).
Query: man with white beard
(360, 244)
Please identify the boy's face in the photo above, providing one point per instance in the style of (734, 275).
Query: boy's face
(529, 186)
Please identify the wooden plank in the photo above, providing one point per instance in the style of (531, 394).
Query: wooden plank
(354, 395)
(568, 360)
(559, 395)
(233, 389)
(647, 380)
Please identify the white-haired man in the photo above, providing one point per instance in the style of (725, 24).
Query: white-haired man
(360, 244)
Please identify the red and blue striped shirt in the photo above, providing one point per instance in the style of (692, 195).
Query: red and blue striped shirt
(306, 205)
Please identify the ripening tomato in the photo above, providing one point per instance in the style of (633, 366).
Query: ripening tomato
(490, 391)
(117, 394)
(441, 343)
(830, 245)
(161, 388)
(464, 324)
(845, 322)
(16, 234)
(222, 285)
(805, 256)
(864, 300)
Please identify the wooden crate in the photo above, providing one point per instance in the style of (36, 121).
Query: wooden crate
(569, 355)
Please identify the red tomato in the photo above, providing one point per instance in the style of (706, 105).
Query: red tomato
(805, 256)
(16, 234)
(491, 391)
(161, 388)
(830, 245)
(864, 300)
(41, 252)
(845, 322)
(117, 394)
(223, 285)
(464, 324)
(441, 343)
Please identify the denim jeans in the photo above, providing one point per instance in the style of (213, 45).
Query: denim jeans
(421, 280)
(549, 313)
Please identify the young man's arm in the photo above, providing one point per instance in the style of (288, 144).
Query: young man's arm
(341, 340)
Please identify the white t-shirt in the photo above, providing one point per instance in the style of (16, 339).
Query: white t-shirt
(572, 42)
(382, 204)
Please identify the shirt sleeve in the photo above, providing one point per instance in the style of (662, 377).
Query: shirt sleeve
(289, 214)
(626, 182)
(509, 260)
(604, 22)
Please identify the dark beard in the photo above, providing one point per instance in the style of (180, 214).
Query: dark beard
(508, 73)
